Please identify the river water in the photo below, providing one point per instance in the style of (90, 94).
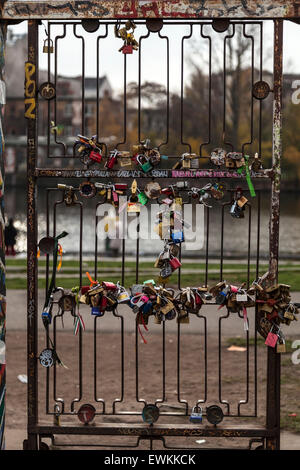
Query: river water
(236, 231)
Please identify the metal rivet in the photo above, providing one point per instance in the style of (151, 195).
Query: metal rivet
(220, 25)
(90, 25)
(261, 90)
(154, 25)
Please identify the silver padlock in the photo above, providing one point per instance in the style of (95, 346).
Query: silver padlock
(166, 270)
(136, 289)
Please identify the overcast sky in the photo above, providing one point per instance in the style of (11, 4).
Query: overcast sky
(154, 53)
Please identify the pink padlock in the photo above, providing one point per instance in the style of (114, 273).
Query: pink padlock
(115, 196)
(234, 289)
(271, 340)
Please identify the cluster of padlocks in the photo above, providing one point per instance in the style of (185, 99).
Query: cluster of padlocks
(146, 157)
(273, 303)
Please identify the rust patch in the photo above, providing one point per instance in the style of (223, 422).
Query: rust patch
(149, 9)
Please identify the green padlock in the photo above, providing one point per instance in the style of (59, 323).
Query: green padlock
(144, 163)
(142, 198)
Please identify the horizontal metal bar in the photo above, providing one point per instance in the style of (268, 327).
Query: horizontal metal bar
(114, 429)
(73, 9)
(102, 173)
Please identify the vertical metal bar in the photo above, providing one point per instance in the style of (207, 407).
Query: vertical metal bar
(273, 384)
(182, 88)
(32, 145)
(229, 36)
(207, 142)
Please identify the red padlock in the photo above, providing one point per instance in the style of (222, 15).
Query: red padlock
(175, 263)
(120, 186)
(127, 50)
(85, 289)
(198, 299)
(112, 159)
(108, 285)
(103, 303)
(96, 156)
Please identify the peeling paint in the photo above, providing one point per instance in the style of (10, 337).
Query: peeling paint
(62, 9)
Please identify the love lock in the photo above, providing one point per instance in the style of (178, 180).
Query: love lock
(196, 415)
(154, 156)
(112, 159)
(48, 48)
(166, 270)
(152, 190)
(218, 156)
(144, 163)
(47, 357)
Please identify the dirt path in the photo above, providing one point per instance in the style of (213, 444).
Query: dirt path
(150, 380)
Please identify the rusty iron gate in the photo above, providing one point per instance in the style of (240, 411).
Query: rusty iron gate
(119, 416)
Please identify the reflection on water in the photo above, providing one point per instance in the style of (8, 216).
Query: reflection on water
(236, 231)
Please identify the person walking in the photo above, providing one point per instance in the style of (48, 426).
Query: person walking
(10, 235)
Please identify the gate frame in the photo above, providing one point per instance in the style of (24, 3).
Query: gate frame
(43, 10)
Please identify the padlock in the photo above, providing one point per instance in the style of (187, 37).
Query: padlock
(196, 415)
(152, 190)
(222, 297)
(217, 191)
(175, 263)
(133, 207)
(186, 161)
(144, 163)
(236, 211)
(183, 317)
(256, 165)
(171, 314)
(109, 285)
(49, 48)
(46, 316)
(234, 160)
(242, 201)
(127, 50)
(147, 307)
(96, 156)
(97, 312)
(177, 236)
(123, 296)
(136, 289)
(142, 198)
(166, 271)
(48, 357)
(112, 159)
(271, 339)
(154, 156)
(198, 299)
(124, 159)
(218, 156)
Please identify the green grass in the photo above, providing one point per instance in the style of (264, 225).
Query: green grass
(290, 423)
(291, 277)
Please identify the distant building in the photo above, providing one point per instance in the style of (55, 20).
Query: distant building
(67, 116)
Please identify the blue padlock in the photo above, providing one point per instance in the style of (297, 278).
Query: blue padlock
(97, 311)
(177, 236)
(46, 317)
(196, 415)
(221, 297)
(147, 307)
